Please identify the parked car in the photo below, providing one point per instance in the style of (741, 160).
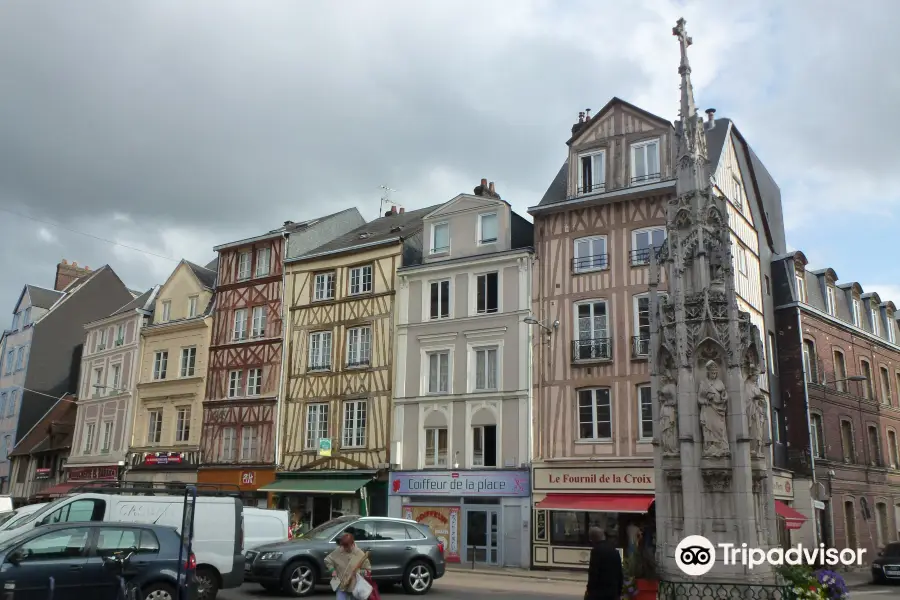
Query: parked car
(18, 516)
(218, 527)
(886, 566)
(265, 526)
(85, 560)
(401, 551)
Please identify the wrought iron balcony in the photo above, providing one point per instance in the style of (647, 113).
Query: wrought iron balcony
(640, 346)
(648, 178)
(319, 366)
(592, 349)
(440, 249)
(590, 263)
(359, 362)
(594, 187)
(642, 255)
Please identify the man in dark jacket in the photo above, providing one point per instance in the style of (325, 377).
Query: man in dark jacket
(605, 577)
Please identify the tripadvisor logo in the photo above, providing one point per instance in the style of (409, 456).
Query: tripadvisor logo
(695, 555)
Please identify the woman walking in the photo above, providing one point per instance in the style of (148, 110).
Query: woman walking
(345, 563)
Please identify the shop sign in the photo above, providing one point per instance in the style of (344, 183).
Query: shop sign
(110, 473)
(324, 447)
(594, 479)
(170, 458)
(248, 478)
(460, 483)
(444, 524)
(782, 487)
(42, 473)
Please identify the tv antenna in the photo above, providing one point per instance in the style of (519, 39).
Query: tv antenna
(386, 200)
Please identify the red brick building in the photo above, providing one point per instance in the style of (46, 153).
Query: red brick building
(839, 365)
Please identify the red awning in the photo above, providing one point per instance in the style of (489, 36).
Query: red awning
(596, 502)
(792, 518)
(55, 491)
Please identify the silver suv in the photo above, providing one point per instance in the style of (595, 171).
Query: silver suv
(401, 551)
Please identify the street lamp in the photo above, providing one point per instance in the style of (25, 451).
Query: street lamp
(533, 321)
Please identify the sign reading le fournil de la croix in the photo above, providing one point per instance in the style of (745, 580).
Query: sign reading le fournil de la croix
(594, 479)
(461, 483)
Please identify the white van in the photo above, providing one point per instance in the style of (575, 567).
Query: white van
(218, 528)
(17, 516)
(265, 526)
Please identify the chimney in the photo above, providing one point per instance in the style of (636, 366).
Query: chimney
(286, 223)
(577, 126)
(711, 116)
(587, 115)
(581, 117)
(67, 272)
(491, 188)
(393, 210)
(402, 210)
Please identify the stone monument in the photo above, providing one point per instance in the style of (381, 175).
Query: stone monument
(712, 455)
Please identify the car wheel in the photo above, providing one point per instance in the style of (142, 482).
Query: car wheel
(417, 578)
(157, 591)
(299, 579)
(207, 584)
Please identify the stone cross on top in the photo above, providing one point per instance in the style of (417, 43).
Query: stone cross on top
(680, 32)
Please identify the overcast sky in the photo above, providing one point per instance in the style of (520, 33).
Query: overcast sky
(174, 126)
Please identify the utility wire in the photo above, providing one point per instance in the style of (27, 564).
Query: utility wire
(90, 235)
(63, 397)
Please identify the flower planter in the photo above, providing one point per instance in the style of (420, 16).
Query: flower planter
(647, 589)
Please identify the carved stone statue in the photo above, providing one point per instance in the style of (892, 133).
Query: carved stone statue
(757, 416)
(713, 401)
(668, 417)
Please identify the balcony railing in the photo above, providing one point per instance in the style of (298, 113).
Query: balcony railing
(320, 366)
(640, 346)
(594, 187)
(440, 249)
(359, 362)
(648, 178)
(592, 349)
(590, 263)
(642, 255)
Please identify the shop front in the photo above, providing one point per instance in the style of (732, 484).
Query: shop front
(569, 501)
(314, 497)
(159, 468)
(93, 475)
(481, 517)
(788, 519)
(247, 480)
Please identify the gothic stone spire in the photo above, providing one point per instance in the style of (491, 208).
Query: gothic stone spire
(693, 163)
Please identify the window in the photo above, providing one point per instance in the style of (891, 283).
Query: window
(20, 358)
(438, 372)
(809, 361)
(873, 315)
(893, 455)
(850, 524)
(13, 407)
(183, 424)
(645, 241)
(830, 304)
(99, 387)
(857, 313)
(361, 280)
(889, 326)
(440, 299)
(2, 404)
(390, 531)
(840, 371)
(110, 541)
(116, 378)
(570, 528)
(881, 523)
(868, 388)
(244, 265)
(818, 435)
(316, 424)
(594, 414)
(160, 364)
(742, 260)
(106, 440)
(258, 327)
(645, 162)
(88, 444)
(487, 296)
(354, 424)
(484, 446)
(770, 353)
(737, 195)
(847, 446)
(801, 286)
(874, 446)
(885, 386)
(645, 406)
(254, 382)
(15, 322)
(239, 330)
(324, 289)
(320, 351)
(593, 340)
(641, 346)
(10, 361)
(65, 544)
(188, 361)
(440, 238)
(229, 439)
(79, 511)
(234, 384)
(154, 426)
(776, 425)
(359, 346)
(101, 339)
(590, 254)
(487, 228)
(436, 447)
(26, 317)
(192, 306)
(592, 172)
(120, 335)
(768, 285)
(486, 369)
(166, 314)
(249, 444)
(263, 261)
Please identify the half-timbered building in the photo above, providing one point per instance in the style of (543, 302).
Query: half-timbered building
(597, 229)
(335, 423)
(244, 379)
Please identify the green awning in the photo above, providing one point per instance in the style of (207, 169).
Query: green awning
(316, 486)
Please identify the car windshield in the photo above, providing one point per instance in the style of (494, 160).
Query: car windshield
(4, 517)
(38, 513)
(327, 530)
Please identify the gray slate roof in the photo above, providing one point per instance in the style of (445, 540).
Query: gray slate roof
(206, 276)
(382, 229)
(42, 297)
(135, 304)
(557, 190)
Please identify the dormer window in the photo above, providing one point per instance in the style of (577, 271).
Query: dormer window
(890, 329)
(440, 238)
(873, 313)
(592, 172)
(645, 162)
(830, 305)
(801, 286)
(857, 313)
(487, 228)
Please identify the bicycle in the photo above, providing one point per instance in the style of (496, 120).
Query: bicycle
(127, 591)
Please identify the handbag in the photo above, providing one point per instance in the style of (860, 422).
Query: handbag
(362, 590)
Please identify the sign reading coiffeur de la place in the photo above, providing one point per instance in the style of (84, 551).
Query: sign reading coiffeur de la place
(594, 479)
(460, 483)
